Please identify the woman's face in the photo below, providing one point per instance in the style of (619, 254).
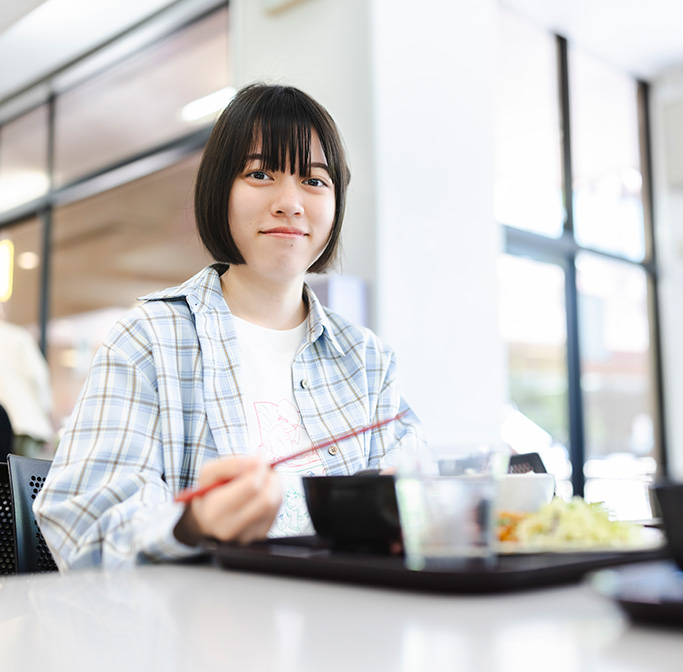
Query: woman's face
(281, 222)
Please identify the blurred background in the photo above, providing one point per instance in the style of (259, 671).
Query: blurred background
(514, 220)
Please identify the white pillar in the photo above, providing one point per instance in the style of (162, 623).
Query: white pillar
(434, 169)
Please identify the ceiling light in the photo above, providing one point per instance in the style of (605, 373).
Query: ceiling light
(6, 269)
(68, 358)
(28, 260)
(202, 108)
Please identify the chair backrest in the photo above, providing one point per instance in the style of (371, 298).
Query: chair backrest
(522, 463)
(26, 477)
(6, 435)
(8, 561)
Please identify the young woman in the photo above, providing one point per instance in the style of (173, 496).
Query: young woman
(241, 364)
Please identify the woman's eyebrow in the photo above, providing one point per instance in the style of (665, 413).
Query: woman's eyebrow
(314, 164)
(324, 166)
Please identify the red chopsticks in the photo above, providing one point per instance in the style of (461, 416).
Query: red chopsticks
(189, 494)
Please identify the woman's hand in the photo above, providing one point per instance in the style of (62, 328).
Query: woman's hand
(241, 510)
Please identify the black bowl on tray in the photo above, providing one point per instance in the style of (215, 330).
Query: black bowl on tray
(669, 496)
(356, 512)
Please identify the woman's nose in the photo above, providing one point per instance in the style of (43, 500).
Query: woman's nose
(288, 198)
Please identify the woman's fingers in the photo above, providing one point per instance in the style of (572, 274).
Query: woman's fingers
(243, 508)
(226, 469)
(255, 519)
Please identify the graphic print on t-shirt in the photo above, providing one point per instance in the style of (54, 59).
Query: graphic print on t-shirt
(278, 428)
(280, 434)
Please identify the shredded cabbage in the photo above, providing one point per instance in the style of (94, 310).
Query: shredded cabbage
(574, 523)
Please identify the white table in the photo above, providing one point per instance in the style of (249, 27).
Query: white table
(201, 618)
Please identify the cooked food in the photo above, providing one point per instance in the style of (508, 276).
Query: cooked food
(507, 524)
(575, 523)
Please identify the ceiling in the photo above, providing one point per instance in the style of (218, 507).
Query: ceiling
(640, 36)
(12, 12)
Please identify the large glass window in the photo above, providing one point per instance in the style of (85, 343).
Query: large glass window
(608, 210)
(142, 102)
(23, 159)
(528, 170)
(108, 250)
(533, 326)
(591, 388)
(617, 383)
(114, 239)
(21, 272)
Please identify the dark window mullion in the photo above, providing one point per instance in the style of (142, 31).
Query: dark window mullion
(651, 263)
(565, 135)
(577, 435)
(577, 441)
(46, 217)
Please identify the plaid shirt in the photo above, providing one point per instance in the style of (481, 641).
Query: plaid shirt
(163, 397)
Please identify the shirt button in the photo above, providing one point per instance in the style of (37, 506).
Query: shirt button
(333, 450)
(304, 383)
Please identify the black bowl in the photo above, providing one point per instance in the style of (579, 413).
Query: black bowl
(354, 512)
(670, 499)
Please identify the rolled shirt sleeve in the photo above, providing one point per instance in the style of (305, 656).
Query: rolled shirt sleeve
(106, 500)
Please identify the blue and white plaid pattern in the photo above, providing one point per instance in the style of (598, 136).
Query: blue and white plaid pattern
(163, 397)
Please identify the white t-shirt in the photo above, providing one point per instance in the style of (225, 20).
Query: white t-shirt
(273, 419)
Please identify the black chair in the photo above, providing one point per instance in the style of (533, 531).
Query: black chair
(26, 478)
(6, 435)
(523, 463)
(8, 561)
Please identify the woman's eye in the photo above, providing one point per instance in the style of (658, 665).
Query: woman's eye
(314, 182)
(258, 175)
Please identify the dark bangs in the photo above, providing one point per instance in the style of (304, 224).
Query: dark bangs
(274, 122)
(284, 144)
(282, 131)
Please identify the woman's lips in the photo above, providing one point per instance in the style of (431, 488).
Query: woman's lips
(284, 232)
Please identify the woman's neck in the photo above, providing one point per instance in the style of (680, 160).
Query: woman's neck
(274, 305)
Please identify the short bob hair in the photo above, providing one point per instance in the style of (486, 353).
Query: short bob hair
(280, 118)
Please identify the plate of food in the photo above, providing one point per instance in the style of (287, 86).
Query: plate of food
(572, 526)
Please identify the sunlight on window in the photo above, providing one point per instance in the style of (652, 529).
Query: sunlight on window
(528, 193)
(532, 320)
(608, 209)
(616, 384)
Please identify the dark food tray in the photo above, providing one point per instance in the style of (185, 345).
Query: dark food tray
(310, 557)
(650, 592)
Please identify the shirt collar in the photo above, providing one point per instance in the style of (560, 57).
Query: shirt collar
(203, 292)
(319, 321)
